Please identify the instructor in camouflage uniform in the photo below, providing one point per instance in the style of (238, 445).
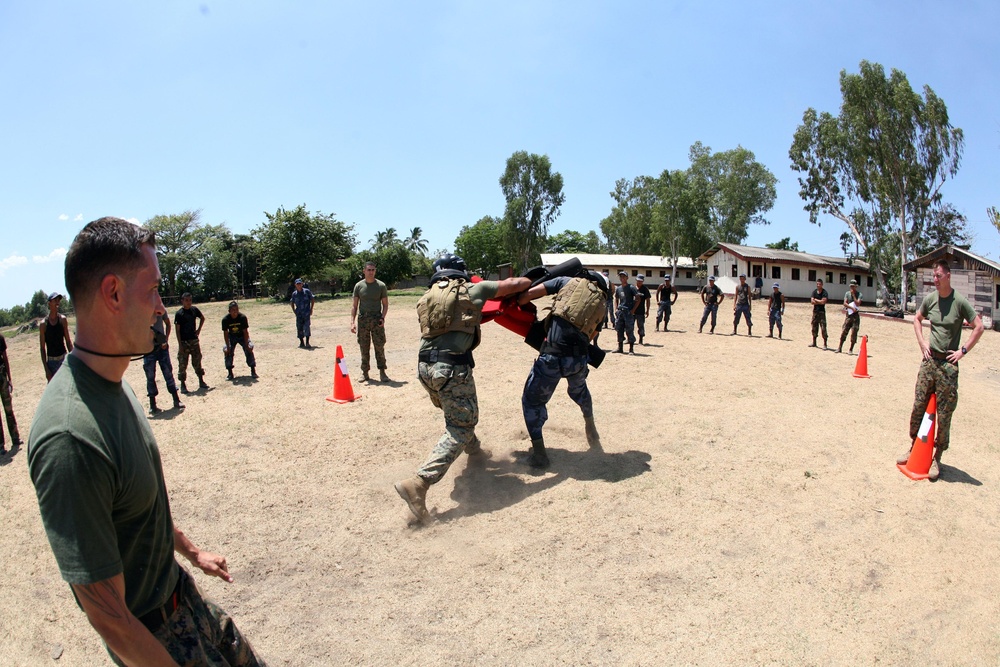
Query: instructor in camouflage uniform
(818, 300)
(372, 299)
(577, 314)
(188, 322)
(445, 366)
(946, 310)
(852, 319)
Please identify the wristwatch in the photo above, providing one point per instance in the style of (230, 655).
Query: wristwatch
(964, 351)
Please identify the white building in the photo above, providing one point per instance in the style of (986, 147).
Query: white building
(653, 267)
(796, 272)
(975, 277)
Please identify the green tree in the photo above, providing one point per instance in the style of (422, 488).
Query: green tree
(880, 164)
(678, 225)
(628, 228)
(534, 195)
(783, 244)
(416, 244)
(38, 306)
(299, 243)
(394, 263)
(571, 241)
(735, 191)
(384, 239)
(994, 215)
(481, 245)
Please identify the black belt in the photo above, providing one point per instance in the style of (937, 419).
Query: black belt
(939, 355)
(435, 356)
(155, 619)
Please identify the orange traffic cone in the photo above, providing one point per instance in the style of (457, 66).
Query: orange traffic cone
(923, 445)
(861, 368)
(342, 390)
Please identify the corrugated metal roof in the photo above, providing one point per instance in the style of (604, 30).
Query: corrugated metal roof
(654, 261)
(986, 265)
(746, 252)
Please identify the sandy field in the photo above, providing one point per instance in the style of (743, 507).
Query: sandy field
(746, 508)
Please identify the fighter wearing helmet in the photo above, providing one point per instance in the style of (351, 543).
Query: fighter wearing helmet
(450, 313)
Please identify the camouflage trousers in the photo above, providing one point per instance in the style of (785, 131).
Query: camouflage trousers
(818, 322)
(453, 389)
(625, 325)
(192, 349)
(8, 408)
(200, 634)
(542, 382)
(851, 325)
(369, 332)
(303, 325)
(663, 314)
(936, 376)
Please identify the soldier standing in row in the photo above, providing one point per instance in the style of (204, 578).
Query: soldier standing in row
(775, 309)
(818, 300)
(741, 305)
(626, 302)
(852, 318)
(53, 336)
(666, 297)
(370, 306)
(160, 355)
(188, 345)
(450, 313)
(642, 312)
(236, 331)
(711, 296)
(302, 305)
(6, 388)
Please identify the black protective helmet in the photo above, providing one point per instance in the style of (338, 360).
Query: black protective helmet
(600, 280)
(448, 266)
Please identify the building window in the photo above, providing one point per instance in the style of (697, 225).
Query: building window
(715, 270)
(796, 275)
(843, 278)
(635, 272)
(857, 278)
(688, 274)
(663, 274)
(812, 275)
(869, 281)
(776, 272)
(829, 277)
(735, 270)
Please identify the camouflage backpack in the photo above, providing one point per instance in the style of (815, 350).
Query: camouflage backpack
(445, 307)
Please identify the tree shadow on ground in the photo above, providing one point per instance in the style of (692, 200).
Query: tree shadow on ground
(493, 485)
(956, 475)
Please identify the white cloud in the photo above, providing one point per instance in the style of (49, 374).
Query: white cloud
(12, 261)
(58, 253)
(134, 221)
(63, 216)
(78, 218)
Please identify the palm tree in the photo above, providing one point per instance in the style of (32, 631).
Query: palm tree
(415, 243)
(384, 239)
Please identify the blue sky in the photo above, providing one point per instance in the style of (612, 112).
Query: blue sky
(400, 114)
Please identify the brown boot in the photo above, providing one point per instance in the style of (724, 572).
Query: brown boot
(382, 376)
(904, 456)
(935, 468)
(414, 490)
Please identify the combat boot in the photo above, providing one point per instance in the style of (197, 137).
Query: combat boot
(538, 458)
(302, 343)
(414, 491)
(935, 469)
(593, 437)
(308, 344)
(364, 376)
(814, 342)
(840, 349)
(202, 384)
(620, 348)
(184, 387)
(177, 400)
(382, 376)
(851, 351)
(904, 457)
(253, 372)
(152, 406)
(631, 348)
(231, 376)
(749, 330)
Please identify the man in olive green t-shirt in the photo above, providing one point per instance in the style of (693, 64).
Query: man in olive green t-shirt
(947, 311)
(96, 470)
(370, 306)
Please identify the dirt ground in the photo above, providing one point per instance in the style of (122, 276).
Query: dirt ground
(746, 508)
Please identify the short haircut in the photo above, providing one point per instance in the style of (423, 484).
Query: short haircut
(943, 263)
(819, 280)
(107, 245)
(186, 295)
(371, 264)
(233, 304)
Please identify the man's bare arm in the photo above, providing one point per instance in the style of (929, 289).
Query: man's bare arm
(69, 340)
(209, 563)
(104, 604)
(513, 286)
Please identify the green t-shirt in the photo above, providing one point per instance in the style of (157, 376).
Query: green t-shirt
(458, 342)
(946, 317)
(370, 297)
(97, 474)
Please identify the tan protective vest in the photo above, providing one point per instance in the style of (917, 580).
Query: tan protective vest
(445, 307)
(581, 303)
